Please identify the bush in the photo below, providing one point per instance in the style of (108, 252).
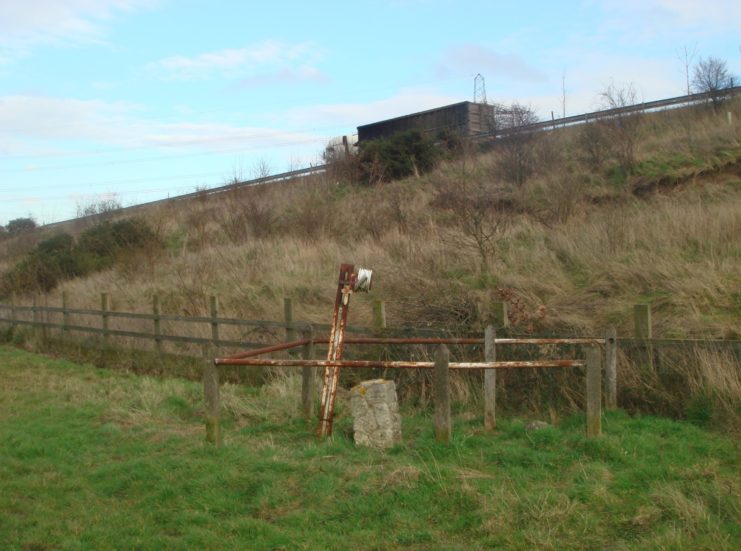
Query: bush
(403, 155)
(20, 225)
(59, 258)
(100, 246)
(50, 261)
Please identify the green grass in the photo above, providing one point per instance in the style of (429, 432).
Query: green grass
(96, 459)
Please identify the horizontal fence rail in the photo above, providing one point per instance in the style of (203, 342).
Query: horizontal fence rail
(9, 314)
(383, 364)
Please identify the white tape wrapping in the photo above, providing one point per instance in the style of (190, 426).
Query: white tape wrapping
(363, 281)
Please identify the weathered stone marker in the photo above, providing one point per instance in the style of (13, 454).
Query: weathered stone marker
(375, 411)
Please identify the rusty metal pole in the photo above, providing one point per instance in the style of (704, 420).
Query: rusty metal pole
(349, 281)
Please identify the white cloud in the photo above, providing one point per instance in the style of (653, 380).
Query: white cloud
(37, 125)
(470, 59)
(263, 60)
(347, 116)
(644, 19)
(28, 23)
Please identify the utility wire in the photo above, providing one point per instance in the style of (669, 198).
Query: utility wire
(160, 157)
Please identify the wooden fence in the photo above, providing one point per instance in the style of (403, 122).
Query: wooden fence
(99, 322)
(645, 349)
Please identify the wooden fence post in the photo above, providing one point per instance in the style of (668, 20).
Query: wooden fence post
(65, 314)
(288, 319)
(35, 317)
(308, 377)
(644, 331)
(379, 316)
(13, 324)
(594, 392)
(490, 380)
(441, 395)
(211, 397)
(642, 320)
(498, 314)
(105, 304)
(157, 312)
(214, 307)
(45, 321)
(611, 368)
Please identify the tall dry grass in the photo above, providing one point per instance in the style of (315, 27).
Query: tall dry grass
(579, 250)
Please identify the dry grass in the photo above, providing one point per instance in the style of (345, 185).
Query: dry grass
(580, 250)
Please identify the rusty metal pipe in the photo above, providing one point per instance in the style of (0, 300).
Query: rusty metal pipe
(331, 376)
(550, 341)
(381, 364)
(269, 349)
(411, 340)
(473, 340)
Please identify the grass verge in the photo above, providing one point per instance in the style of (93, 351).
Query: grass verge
(95, 459)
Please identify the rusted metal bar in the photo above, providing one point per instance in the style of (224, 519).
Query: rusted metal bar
(379, 340)
(411, 340)
(551, 341)
(472, 340)
(273, 348)
(336, 344)
(383, 364)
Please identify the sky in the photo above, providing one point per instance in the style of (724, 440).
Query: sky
(136, 100)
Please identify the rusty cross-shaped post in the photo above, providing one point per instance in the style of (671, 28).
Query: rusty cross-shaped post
(350, 281)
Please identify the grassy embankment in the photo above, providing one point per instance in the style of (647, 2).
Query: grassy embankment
(580, 242)
(96, 459)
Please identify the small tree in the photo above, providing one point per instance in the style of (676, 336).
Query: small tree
(477, 207)
(517, 160)
(594, 143)
(711, 75)
(624, 125)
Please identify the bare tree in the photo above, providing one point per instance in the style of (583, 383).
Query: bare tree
(478, 208)
(686, 56)
(517, 160)
(711, 75)
(624, 124)
(261, 168)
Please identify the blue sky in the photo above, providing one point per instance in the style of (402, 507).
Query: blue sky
(140, 99)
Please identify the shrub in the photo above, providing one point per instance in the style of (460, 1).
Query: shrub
(20, 225)
(100, 246)
(403, 155)
(49, 262)
(59, 258)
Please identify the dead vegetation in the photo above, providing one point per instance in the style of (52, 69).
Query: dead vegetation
(571, 247)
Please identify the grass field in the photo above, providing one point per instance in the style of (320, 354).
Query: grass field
(98, 459)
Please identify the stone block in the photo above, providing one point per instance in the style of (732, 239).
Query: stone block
(375, 411)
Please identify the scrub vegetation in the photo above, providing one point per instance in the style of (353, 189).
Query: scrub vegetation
(570, 228)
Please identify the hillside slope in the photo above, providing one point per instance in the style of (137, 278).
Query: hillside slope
(571, 249)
